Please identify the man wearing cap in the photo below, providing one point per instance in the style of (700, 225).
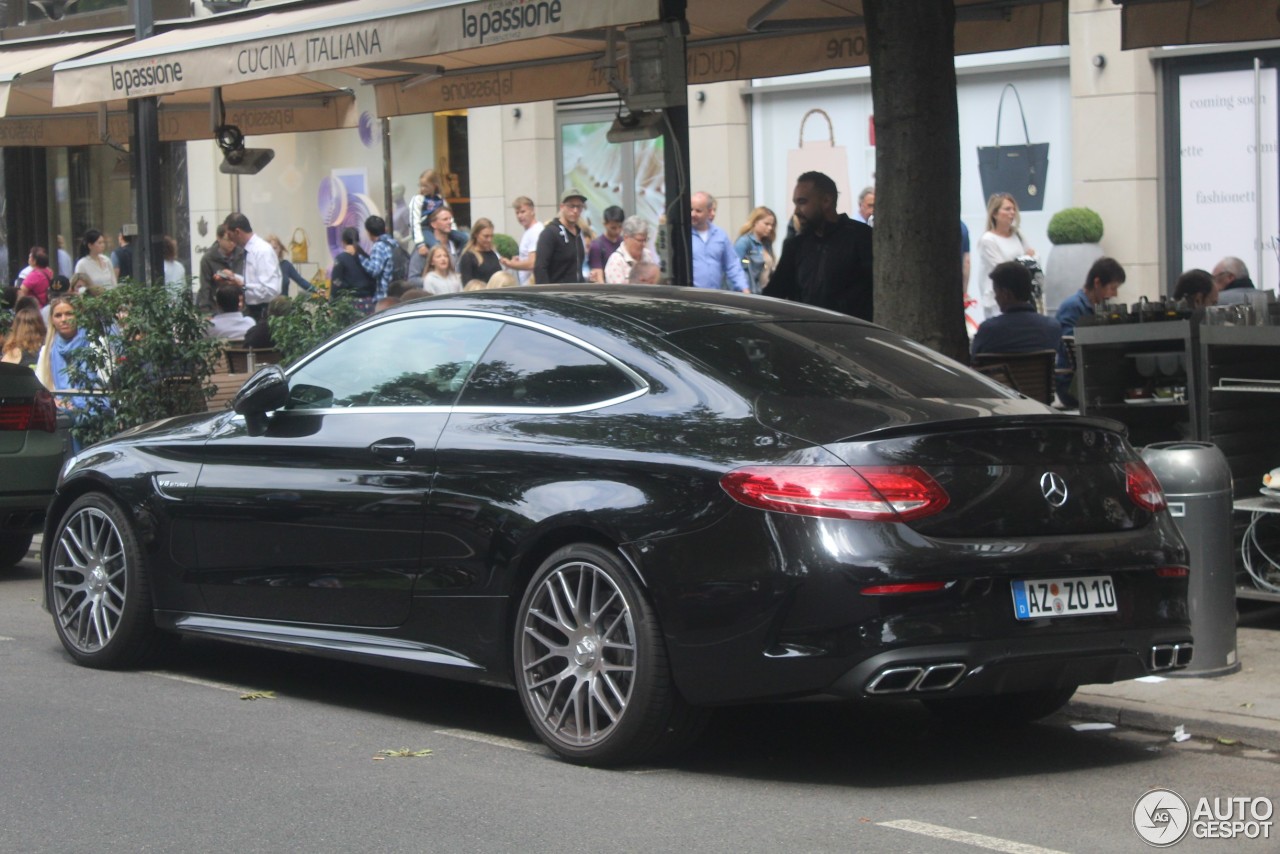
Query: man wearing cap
(560, 250)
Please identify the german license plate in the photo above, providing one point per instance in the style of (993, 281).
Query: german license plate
(1063, 597)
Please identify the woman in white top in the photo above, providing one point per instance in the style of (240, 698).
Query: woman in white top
(632, 250)
(441, 278)
(1001, 242)
(95, 265)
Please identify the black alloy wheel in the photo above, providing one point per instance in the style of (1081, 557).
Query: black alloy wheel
(97, 587)
(591, 665)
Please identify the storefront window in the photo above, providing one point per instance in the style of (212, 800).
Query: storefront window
(1221, 129)
(629, 175)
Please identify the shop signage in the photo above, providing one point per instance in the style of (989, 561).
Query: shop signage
(299, 41)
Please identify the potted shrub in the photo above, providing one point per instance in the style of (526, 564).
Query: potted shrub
(1075, 234)
(506, 245)
(151, 356)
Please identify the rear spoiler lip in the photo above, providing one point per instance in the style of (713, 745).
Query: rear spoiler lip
(985, 424)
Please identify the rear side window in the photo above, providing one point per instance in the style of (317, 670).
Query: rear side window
(832, 361)
(527, 368)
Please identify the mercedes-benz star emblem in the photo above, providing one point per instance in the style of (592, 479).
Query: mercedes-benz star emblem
(1053, 488)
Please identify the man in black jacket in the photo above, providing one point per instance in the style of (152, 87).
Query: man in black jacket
(560, 249)
(828, 262)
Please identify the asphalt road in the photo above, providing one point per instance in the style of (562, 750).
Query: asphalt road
(174, 759)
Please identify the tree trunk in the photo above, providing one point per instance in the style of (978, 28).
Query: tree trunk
(918, 282)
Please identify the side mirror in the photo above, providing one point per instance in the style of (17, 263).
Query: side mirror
(266, 390)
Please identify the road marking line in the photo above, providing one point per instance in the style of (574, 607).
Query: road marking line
(991, 843)
(5, 638)
(207, 683)
(496, 741)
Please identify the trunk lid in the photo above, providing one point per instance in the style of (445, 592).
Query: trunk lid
(1013, 477)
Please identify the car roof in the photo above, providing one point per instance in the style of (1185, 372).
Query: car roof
(660, 310)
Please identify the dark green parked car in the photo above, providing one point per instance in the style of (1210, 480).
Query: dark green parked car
(32, 448)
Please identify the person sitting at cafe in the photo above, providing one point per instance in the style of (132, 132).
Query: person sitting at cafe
(1195, 290)
(1018, 328)
(1101, 284)
(229, 322)
(1231, 278)
(260, 335)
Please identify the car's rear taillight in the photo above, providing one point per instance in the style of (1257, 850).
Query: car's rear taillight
(29, 413)
(1142, 487)
(1172, 572)
(904, 588)
(876, 493)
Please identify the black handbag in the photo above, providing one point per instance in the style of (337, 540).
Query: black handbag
(1018, 170)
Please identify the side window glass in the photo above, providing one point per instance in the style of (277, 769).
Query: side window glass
(527, 368)
(417, 361)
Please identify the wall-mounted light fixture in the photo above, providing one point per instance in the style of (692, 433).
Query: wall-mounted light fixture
(701, 97)
(515, 113)
(1099, 61)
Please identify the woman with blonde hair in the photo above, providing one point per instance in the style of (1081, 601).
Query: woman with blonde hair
(52, 367)
(478, 260)
(755, 247)
(288, 272)
(502, 279)
(22, 345)
(1001, 242)
(441, 278)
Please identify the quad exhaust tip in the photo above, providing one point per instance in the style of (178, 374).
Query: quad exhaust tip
(917, 677)
(1166, 656)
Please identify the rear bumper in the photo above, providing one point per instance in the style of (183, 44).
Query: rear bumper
(27, 480)
(753, 612)
(23, 512)
(981, 668)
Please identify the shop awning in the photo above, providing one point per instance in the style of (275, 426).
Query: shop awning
(245, 52)
(447, 54)
(1157, 23)
(28, 116)
(26, 71)
(728, 40)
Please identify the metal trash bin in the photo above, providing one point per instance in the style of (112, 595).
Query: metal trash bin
(1196, 481)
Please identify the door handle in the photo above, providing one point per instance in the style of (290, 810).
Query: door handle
(393, 450)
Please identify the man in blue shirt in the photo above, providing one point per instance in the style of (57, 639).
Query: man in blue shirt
(1104, 280)
(715, 264)
(1019, 328)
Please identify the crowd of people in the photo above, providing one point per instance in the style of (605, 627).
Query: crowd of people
(825, 261)
(1013, 323)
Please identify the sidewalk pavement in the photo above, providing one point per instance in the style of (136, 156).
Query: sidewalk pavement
(1243, 706)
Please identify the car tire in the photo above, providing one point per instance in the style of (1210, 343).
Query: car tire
(13, 548)
(591, 666)
(1014, 709)
(98, 588)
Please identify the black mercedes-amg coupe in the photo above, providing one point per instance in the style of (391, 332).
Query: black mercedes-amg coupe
(631, 504)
